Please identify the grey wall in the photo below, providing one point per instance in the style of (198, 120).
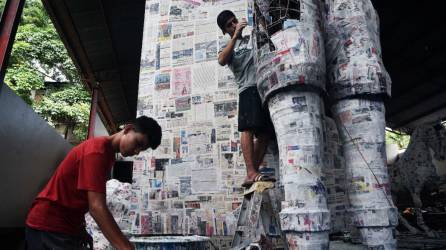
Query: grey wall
(30, 150)
(99, 128)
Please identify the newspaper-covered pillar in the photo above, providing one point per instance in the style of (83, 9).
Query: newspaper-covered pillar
(357, 81)
(362, 131)
(297, 118)
(290, 78)
(334, 176)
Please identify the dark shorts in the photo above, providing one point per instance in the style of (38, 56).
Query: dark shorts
(251, 114)
(42, 240)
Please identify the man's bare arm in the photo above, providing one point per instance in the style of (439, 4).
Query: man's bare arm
(226, 53)
(100, 213)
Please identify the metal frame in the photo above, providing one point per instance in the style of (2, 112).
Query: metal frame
(93, 110)
(8, 28)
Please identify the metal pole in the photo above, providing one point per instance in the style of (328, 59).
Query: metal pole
(8, 28)
(93, 111)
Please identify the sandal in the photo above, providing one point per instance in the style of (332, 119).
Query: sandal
(259, 177)
(264, 177)
(247, 184)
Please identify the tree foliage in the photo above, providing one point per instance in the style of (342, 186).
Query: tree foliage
(38, 55)
(399, 138)
(2, 6)
(68, 105)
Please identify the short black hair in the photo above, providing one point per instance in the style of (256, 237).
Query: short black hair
(223, 18)
(149, 127)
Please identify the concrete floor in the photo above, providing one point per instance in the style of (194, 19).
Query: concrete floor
(339, 245)
(405, 242)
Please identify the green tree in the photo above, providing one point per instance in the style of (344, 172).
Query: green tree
(69, 105)
(38, 54)
(399, 138)
(2, 6)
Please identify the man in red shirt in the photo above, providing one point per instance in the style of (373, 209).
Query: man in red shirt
(56, 218)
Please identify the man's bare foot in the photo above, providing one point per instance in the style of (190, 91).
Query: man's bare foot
(250, 178)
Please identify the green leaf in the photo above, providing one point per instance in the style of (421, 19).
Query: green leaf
(38, 54)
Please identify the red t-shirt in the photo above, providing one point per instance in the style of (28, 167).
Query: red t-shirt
(62, 204)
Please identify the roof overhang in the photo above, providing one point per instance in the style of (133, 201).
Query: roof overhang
(414, 53)
(104, 39)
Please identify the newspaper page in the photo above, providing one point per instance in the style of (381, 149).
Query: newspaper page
(182, 51)
(181, 81)
(204, 77)
(204, 180)
(164, 51)
(182, 30)
(202, 108)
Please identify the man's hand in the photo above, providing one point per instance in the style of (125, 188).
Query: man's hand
(87, 239)
(239, 28)
(225, 55)
(100, 213)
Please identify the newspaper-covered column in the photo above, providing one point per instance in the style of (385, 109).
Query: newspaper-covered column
(191, 183)
(290, 77)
